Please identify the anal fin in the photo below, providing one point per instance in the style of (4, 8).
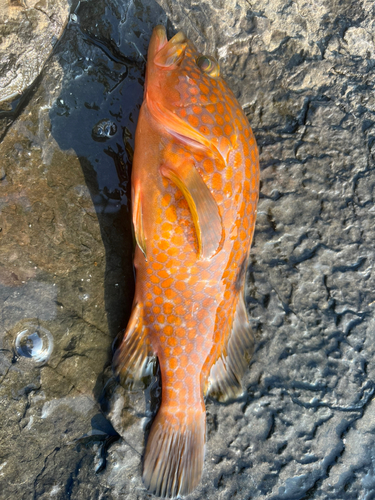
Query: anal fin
(225, 376)
(132, 359)
(203, 207)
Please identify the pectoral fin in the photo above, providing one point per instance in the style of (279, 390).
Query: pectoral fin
(203, 207)
(138, 221)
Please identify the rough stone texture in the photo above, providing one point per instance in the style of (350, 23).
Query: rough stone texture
(305, 426)
(28, 31)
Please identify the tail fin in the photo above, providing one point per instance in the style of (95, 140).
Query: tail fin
(174, 455)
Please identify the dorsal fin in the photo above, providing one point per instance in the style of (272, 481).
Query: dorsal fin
(138, 220)
(133, 357)
(203, 207)
(224, 381)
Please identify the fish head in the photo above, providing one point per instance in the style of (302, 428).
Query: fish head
(185, 92)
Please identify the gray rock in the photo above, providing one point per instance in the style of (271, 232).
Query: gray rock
(28, 32)
(304, 428)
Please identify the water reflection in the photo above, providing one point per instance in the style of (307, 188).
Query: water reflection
(103, 130)
(34, 342)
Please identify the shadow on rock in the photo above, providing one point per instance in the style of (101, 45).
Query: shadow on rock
(102, 54)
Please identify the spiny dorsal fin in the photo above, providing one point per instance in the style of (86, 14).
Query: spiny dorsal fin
(133, 357)
(203, 207)
(138, 221)
(226, 374)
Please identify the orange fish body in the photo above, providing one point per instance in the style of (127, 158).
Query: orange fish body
(195, 184)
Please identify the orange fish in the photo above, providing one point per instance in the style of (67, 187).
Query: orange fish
(195, 184)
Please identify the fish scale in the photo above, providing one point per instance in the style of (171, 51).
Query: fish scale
(195, 183)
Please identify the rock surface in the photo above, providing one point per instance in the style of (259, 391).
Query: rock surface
(305, 427)
(29, 29)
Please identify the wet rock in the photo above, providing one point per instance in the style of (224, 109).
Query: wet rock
(28, 32)
(66, 260)
(304, 427)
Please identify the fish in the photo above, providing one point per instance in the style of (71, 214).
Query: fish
(195, 188)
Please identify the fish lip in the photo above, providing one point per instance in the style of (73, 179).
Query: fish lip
(179, 37)
(159, 33)
(159, 38)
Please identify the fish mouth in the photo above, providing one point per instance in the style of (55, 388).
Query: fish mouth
(166, 53)
(178, 38)
(161, 34)
(159, 37)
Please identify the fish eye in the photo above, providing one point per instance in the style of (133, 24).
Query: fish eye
(204, 63)
(208, 65)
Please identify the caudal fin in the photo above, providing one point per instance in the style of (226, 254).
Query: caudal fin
(175, 452)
